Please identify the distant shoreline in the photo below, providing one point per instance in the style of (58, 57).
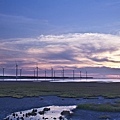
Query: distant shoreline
(32, 77)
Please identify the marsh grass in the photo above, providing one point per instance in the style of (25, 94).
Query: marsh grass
(72, 89)
(107, 107)
(105, 117)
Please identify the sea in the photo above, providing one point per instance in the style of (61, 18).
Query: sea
(99, 80)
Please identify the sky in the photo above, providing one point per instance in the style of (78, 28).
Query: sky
(80, 35)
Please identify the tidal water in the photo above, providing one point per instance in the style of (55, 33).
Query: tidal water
(87, 80)
(43, 113)
(10, 105)
(66, 80)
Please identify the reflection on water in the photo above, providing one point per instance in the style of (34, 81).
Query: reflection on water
(87, 80)
(49, 112)
(66, 80)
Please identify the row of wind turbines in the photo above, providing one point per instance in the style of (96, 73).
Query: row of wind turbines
(18, 73)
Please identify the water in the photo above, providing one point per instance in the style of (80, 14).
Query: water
(66, 80)
(10, 105)
(51, 113)
(87, 80)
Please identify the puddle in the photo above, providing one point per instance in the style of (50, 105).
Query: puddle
(44, 113)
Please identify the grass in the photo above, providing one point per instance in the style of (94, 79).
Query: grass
(107, 107)
(105, 117)
(72, 89)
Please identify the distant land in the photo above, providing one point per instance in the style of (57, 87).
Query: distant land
(34, 77)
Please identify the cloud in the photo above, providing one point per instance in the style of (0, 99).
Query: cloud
(70, 50)
(105, 59)
(63, 55)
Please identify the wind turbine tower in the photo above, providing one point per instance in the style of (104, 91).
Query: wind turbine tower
(16, 70)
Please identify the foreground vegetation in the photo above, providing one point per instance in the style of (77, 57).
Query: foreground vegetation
(88, 89)
(107, 107)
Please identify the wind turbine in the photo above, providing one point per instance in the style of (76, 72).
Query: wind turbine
(63, 72)
(51, 72)
(86, 74)
(34, 72)
(45, 72)
(16, 70)
(20, 72)
(54, 74)
(37, 69)
(3, 71)
(73, 74)
(80, 74)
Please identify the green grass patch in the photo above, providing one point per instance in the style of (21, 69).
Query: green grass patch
(101, 107)
(104, 117)
(72, 89)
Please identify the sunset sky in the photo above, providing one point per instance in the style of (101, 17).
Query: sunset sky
(83, 35)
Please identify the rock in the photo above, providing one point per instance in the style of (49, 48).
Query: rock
(13, 114)
(34, 110)
(46, 118)
(32, 114)
(65, 113)
(41, 98)
(17, 118)
(22, 118)
(46, 109)
(26, 115)
(20, 112)
(61, 118)
(41, 112)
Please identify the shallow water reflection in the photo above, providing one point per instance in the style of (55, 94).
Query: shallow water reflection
(49, 112)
